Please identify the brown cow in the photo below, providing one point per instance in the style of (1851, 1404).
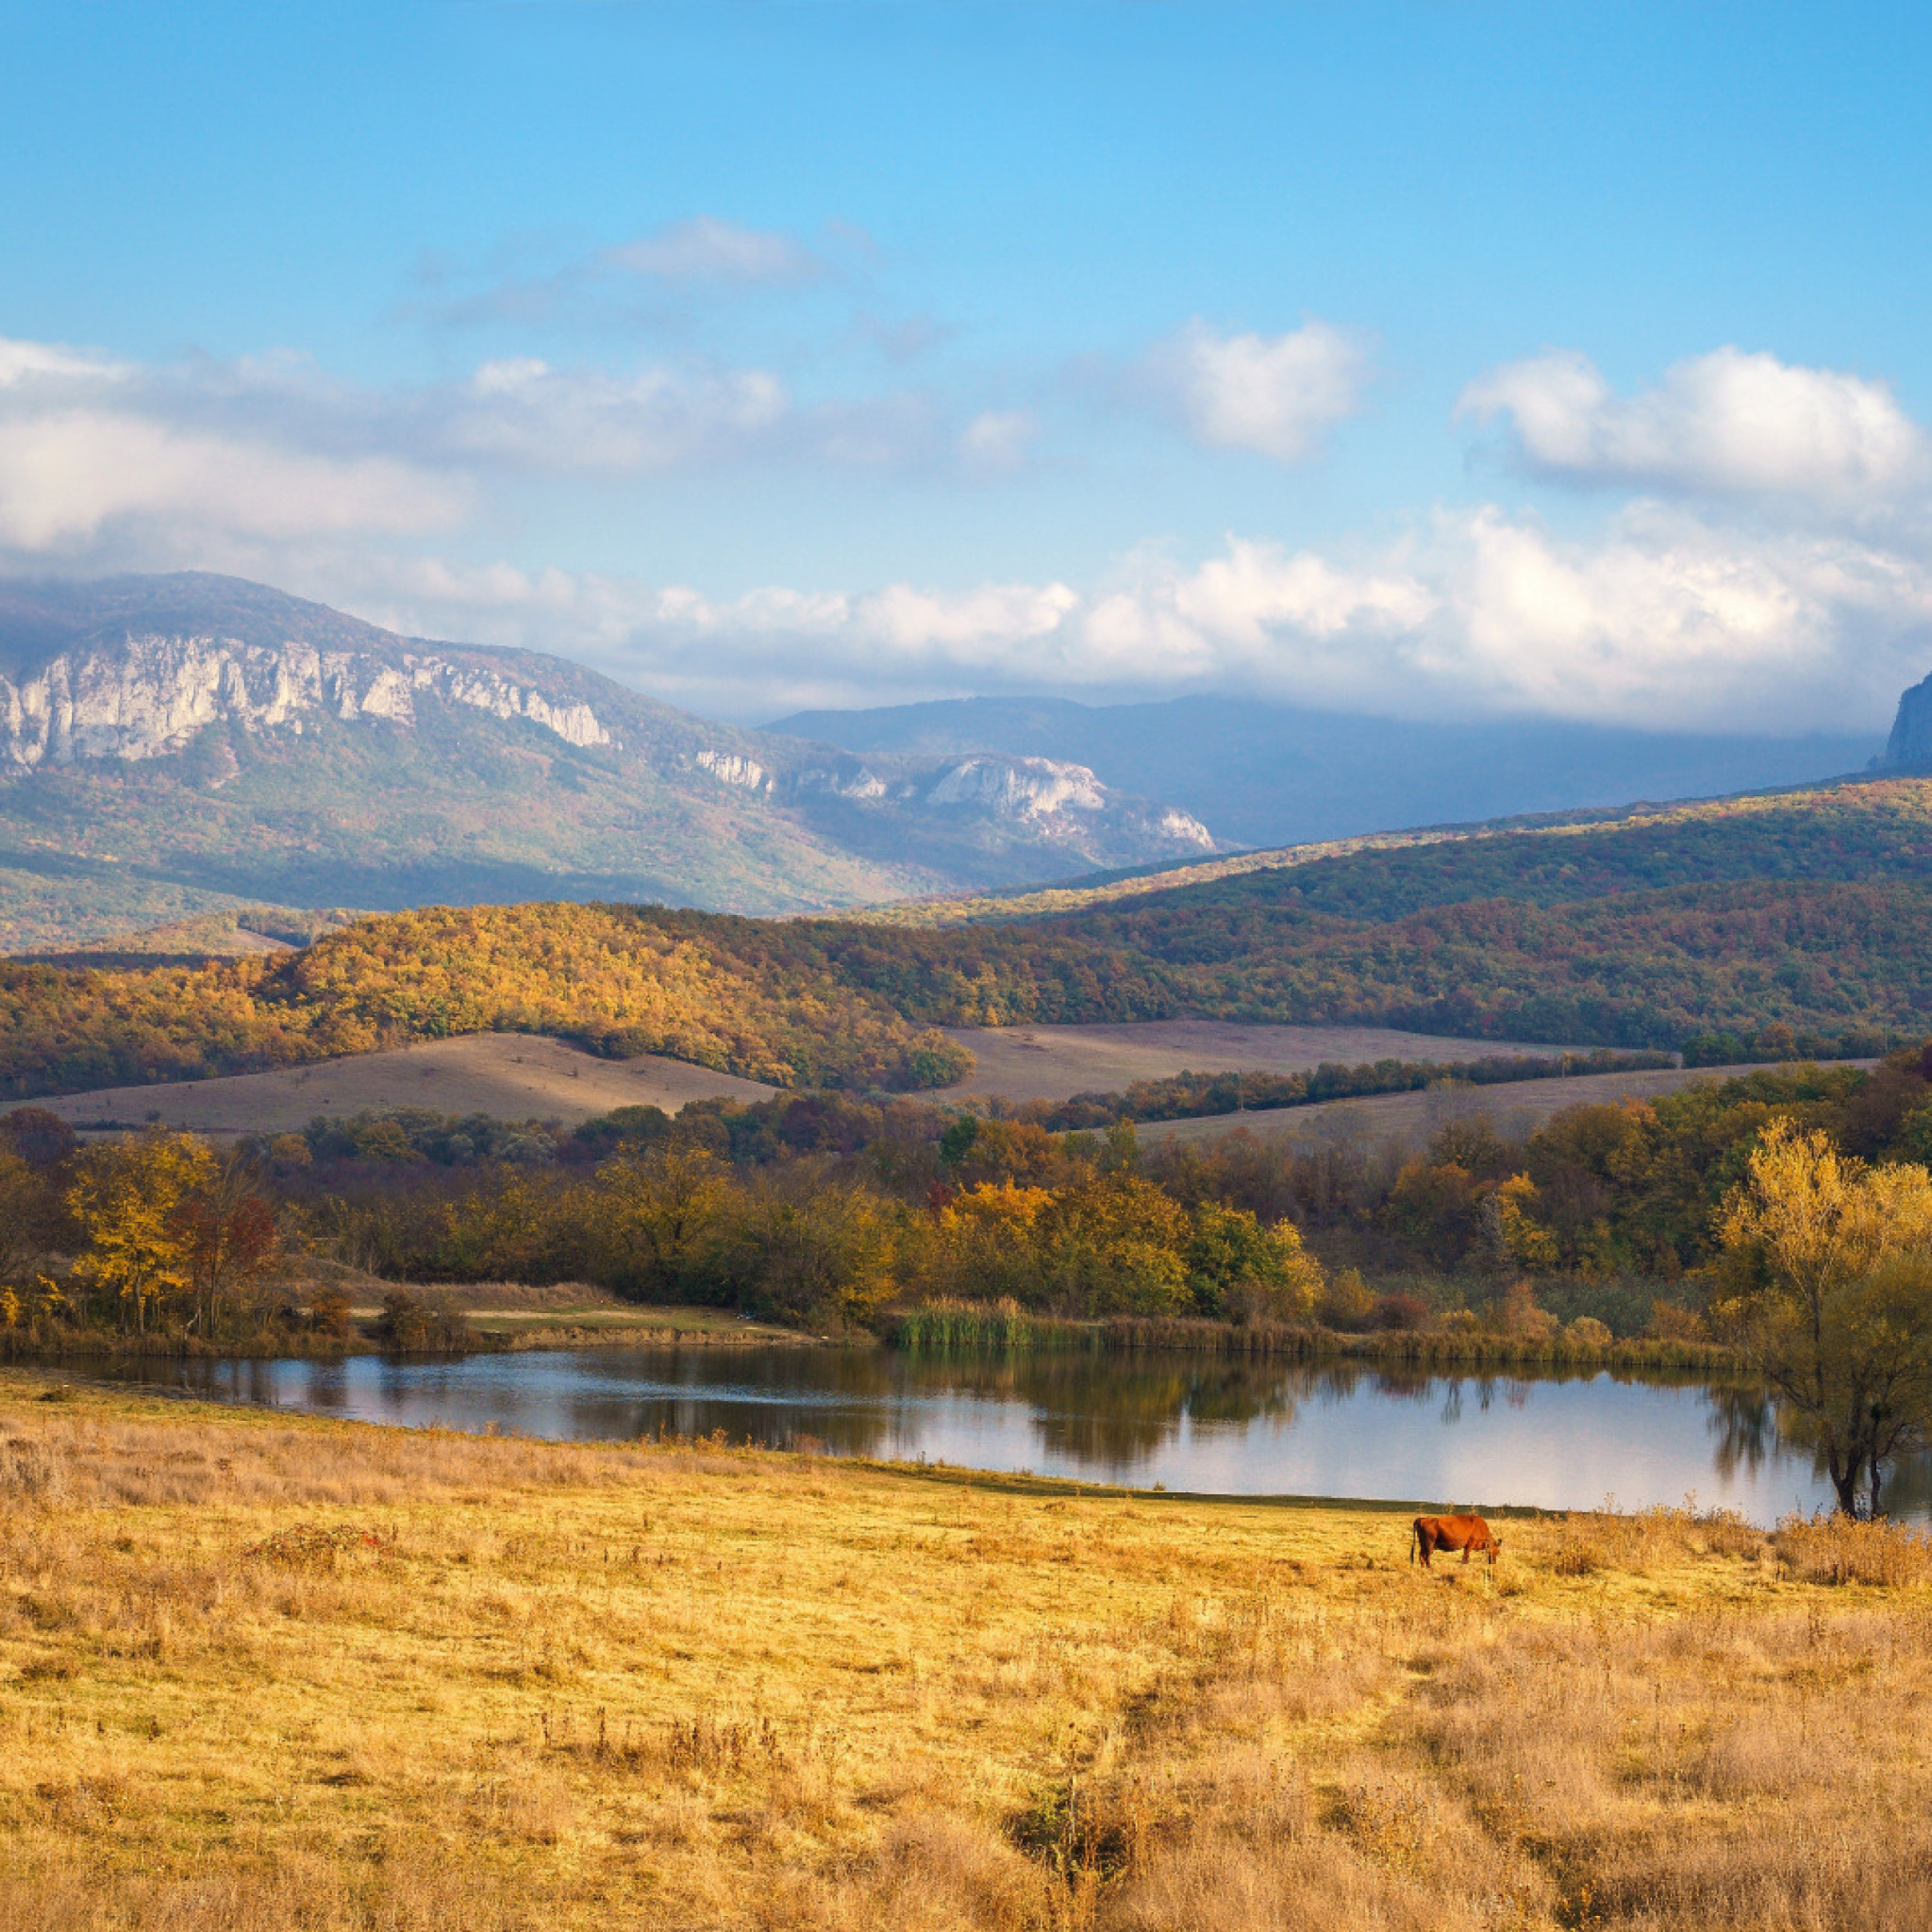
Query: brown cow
(1464, 1533)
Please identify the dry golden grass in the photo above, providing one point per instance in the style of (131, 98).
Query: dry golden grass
(562, 1312)
(264, 1673)
(1516, 1107)
(515, 1077)
(1057, 1062)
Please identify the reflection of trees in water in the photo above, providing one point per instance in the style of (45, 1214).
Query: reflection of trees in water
(776, 1398)
(1752, 1429)
(1115, 1409)
(1104, 1411)
(1745, 1426)
(1514, 1391)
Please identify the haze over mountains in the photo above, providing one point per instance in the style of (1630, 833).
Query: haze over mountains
(174, 745)
(1269, 775)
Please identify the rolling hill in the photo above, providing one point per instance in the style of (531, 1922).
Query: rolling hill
(179, 745)
(1793, 922)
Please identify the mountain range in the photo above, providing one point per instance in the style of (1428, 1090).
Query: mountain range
(175, 745)
(1273, 775)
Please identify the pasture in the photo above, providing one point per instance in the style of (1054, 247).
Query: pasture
(1057, 1062)
(1516, 1107)
(574, 1314)
(513, 1077)
(259, 1673)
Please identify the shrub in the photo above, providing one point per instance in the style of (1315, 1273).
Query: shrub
(1673, 1322)
(329, 1316)
(1586, 1332)
(415, 1327)
(1839, 1549)
(1346, 1303)
(1514, 1313)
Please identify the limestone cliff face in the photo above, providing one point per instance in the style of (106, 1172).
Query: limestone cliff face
(218, 733)
(1047, 798)
(149, 695)
(1910, 744)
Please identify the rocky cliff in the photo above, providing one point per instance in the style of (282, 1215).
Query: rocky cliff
(146, 696)
(1909, 747)
(220, 737)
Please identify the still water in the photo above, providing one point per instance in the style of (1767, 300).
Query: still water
(1182, 1421)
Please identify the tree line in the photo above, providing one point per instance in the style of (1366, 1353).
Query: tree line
(1786, 1213)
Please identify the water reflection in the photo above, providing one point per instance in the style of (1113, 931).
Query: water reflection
(1214, 1424)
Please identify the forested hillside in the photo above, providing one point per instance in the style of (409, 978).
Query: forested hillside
(798, 1002)
(1798, 923)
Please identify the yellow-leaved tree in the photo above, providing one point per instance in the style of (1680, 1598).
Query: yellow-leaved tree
(662, 1219)
(1829, 1297)
(127, 1199)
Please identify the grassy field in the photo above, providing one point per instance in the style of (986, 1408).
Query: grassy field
(1057, 1062)
(1516, 1107)
(511, 1076)
(570, 1313)
(258, 1672)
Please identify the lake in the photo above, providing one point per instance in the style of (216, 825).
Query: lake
(1197, 1423)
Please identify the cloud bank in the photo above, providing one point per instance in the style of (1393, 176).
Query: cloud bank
(1666, 621)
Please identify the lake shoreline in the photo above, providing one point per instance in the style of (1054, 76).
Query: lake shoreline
(1126, 1336)
(1553, 1436)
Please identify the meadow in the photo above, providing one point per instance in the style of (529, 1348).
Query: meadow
(509, 1077)
(260, 1672)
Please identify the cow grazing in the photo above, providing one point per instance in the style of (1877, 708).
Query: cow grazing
(1464, 1533)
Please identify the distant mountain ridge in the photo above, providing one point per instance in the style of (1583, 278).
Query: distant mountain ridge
(1268, 775)
(176, 745)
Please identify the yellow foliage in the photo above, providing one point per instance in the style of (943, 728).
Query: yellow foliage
(1835, 1308)
(125, 1199)
(1529, 1245)
(1821, 1217)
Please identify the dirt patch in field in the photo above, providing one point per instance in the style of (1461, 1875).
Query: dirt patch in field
(513, 1076)
(1057, 1062)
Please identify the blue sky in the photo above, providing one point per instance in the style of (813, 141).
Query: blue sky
(1400, 358)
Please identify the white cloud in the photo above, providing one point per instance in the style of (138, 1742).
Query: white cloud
(1277, 394)
(22, 362)
(1662, 618)
(65, 477)
(1728, 424)
(523, 414)
(997, 439)
(121, 455)
(85, 451)
(705, 249)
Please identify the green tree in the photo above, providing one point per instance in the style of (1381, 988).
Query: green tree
(1236, 1266)
(820, 1254)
